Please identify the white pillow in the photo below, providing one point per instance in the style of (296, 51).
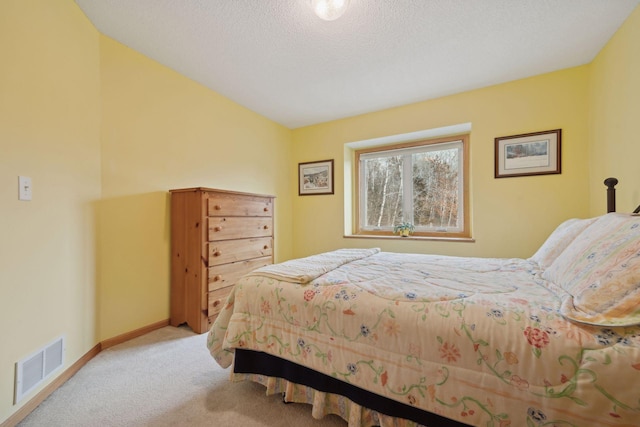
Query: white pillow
(600, 270)
(558, 240)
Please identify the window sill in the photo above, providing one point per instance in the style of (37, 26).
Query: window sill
(433, 238)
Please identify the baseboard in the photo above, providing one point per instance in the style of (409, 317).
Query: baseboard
(36, 400)
(50, 388)
(133, 334)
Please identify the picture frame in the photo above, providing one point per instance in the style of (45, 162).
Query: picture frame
(537, 153)
(315, 178)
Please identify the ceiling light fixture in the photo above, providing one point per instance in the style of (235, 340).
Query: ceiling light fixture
(329, 9)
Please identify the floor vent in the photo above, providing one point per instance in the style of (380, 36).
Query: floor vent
(34, 369)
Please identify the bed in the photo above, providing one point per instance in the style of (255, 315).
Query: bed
(405, 340)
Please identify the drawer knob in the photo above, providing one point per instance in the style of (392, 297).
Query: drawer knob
(217, 278)
(217, 253)
(266, 209)
(266, 246)
(217, 228)
(217, 207)
(266, 227)
(216, 303)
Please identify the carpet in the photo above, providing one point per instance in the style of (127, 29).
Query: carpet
(165, 378)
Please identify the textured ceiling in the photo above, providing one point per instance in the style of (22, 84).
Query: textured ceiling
(278, 59)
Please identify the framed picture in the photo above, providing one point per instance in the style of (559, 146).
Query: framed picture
(315, 178)
(528, 154)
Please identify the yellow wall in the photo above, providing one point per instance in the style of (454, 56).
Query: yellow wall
(615, 111)
(104, 133)
(49, 130)
(160, 131)
(510, 216)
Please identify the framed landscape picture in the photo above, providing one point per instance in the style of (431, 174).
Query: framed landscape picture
(315, 178)
(528, 154)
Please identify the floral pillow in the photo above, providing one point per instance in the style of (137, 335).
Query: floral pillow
(559, 240)
(600, 270)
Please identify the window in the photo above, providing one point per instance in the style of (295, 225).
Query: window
(423, 183)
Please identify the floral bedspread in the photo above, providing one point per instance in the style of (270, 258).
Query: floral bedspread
(477, 340)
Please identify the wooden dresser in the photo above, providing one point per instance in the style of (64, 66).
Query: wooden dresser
(217, 236)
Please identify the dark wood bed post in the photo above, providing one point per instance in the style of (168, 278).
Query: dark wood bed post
(611, 193)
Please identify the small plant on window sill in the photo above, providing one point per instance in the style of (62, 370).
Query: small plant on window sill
(403, 229)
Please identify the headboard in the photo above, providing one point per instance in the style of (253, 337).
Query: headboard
(611, 195)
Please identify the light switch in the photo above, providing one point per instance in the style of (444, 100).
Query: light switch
(24, 183)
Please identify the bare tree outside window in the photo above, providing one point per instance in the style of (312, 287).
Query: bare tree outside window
(384, 191)
(435, 189)
(419, 183)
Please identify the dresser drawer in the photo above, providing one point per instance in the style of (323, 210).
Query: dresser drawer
(225, 275)
(216, 301)
(220, 204)
(226, 251)
(226, 228)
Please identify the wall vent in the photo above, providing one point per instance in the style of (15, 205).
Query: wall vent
(37, 367)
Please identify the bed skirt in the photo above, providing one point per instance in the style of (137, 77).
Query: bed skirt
(328, 395)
